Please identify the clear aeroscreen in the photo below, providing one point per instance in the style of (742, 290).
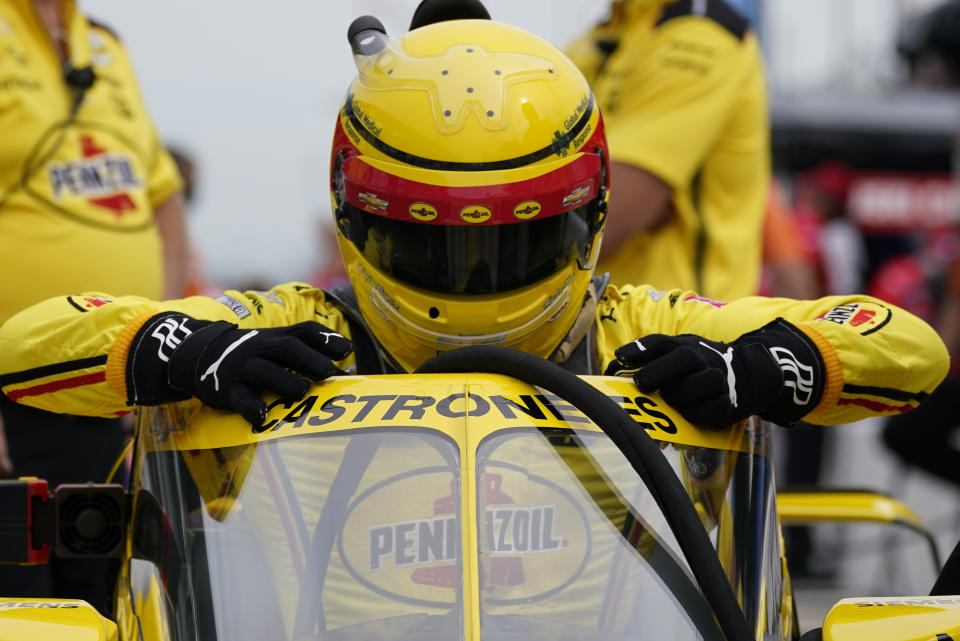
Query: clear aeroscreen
(432, 508)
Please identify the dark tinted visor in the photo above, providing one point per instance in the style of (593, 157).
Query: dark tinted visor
(472, 259)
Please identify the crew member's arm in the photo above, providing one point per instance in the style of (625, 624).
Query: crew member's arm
(640, 202)
(171, 225)
(828, 361)
(669, 110)
(93, 355)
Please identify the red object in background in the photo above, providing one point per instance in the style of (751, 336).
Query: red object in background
(903, 282)
(809, 223)
(831, 179)
(882, 202)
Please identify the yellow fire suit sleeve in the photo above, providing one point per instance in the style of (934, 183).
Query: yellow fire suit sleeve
(879, 359)
(68, 354)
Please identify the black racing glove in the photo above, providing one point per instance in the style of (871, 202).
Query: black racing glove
(775, 372)
(175, 357)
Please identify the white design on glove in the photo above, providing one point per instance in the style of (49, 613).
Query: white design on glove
(795, 375)
(166, 332)
(215, 365)
(327, 335)
(727, 357)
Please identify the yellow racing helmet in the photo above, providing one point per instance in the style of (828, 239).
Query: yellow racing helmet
(469, 183)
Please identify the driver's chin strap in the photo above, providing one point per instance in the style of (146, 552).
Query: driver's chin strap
(368, 354)
(577, 351)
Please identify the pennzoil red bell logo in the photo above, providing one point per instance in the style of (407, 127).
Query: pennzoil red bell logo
(95, 301)
(102, 176)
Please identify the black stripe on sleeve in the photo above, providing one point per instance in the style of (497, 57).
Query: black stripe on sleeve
(885, 392)
(50, 370)
(76, 305)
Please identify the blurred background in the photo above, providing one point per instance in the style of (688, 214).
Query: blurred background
(865, 114)
(252, 95)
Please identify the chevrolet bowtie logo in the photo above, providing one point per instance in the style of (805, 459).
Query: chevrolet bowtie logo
(468, 79)
(575, 196)
(372, 201)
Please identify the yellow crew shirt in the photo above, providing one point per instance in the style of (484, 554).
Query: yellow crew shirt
(78, 187)
(683, 96)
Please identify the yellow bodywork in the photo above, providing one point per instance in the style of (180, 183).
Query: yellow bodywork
(851, 506)
(53, 620)
(796, 508)
(218, 452)
(894, 619)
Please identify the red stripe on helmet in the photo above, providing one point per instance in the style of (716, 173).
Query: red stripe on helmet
(385, 194)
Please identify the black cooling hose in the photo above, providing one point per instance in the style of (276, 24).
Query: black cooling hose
(637, 446)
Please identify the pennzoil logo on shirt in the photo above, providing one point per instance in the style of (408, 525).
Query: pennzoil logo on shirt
(96, 176)
(475, 214)
(423, 211)
(527, 209)
(103, 177)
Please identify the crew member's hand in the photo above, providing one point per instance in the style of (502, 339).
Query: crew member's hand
(775, 372)
(175, 356)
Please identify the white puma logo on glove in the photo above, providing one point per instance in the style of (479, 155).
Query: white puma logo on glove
(727, 357)
(215, 365)
(327, 335)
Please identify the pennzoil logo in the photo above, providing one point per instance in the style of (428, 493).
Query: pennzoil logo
(372, 201)
(423, 211)
(534, 534)
(864, 317)
(527, 209)
(95, 301)
(101, 176)
(475, 214)
(575, 196)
